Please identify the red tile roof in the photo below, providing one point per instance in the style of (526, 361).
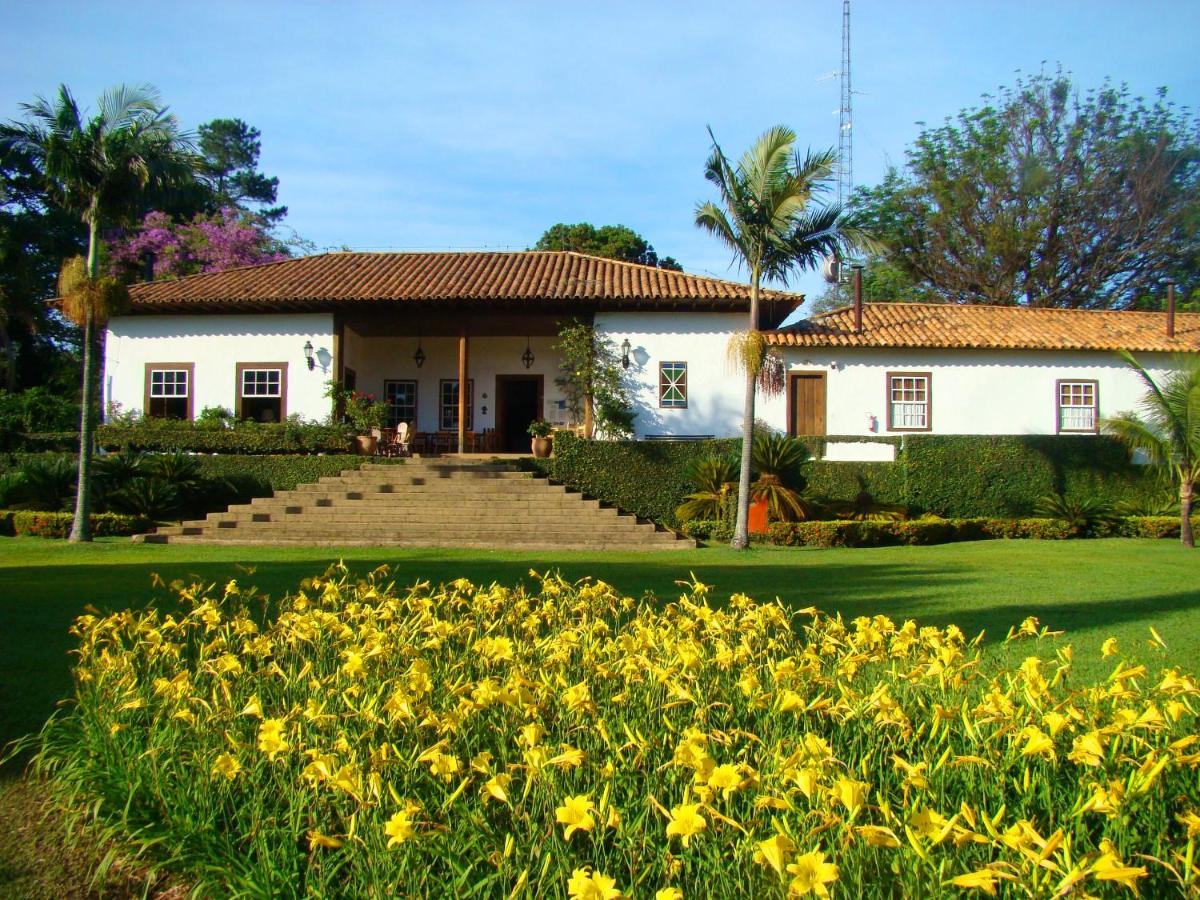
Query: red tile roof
(561, 277)
(952, 326)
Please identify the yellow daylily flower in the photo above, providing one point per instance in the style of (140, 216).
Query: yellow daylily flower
(810, 873)
(686, 822)
(588, 885)
(576, 814)
(774, 852)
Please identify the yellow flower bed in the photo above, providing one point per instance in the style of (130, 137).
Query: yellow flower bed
(365, 740)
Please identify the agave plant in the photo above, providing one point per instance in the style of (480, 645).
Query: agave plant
(1080, 514)
(49, 483)
(715, 480)
(865, 508)
(779, 461)
(12, 488)
(149, 497)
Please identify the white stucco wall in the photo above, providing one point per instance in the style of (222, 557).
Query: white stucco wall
(215, 344)
(378, 359)
(699, 339)
(973, 392)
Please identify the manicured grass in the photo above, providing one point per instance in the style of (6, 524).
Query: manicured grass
(1091, 589)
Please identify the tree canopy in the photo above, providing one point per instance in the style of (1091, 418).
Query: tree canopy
(1047, 196)
(610, 241)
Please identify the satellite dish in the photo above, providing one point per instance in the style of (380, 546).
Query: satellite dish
(831, 269)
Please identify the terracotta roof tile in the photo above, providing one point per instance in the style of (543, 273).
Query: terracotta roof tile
(524, 276)
(951, 326)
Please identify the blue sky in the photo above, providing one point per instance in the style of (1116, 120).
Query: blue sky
(477, 125)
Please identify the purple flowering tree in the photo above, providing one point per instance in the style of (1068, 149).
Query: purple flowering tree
(228, 239)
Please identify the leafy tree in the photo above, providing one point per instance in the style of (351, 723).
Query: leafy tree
(883, 281)
(765, 218)
(98, 169)
(230, 149)
(35, 237)
(610, 241)
(1047, 197)
(205, 244)
(592, 380)
(1168, 431)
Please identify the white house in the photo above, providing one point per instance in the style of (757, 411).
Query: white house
(409, 327)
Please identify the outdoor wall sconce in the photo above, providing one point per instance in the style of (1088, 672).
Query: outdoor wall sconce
(625, 348)
(308, 355)
(419, 356)
(527, 356)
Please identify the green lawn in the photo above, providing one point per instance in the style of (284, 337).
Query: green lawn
(1092, 589)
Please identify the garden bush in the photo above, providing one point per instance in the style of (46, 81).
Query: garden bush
(166, 435)
(370, 741)
(58, 524)
(955, 476)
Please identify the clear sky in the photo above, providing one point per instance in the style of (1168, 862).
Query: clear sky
(403, 125)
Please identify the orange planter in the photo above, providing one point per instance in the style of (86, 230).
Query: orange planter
(757, 523)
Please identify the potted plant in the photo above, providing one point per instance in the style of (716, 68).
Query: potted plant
(542, 444)
(366, 416)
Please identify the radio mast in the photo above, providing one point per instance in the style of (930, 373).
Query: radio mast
(845, 174)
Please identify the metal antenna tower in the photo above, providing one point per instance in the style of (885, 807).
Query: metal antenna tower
(845, 171)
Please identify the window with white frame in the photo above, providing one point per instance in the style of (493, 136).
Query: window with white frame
(448, 417)
(401, 399)
(169, 391)
(261, 391)
(672, 385)
(909, 401)
(1078, 406)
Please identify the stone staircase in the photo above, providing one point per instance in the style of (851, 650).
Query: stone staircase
(430, 502)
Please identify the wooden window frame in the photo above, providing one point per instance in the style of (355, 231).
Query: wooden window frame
(188, 367)
(928, 376)
(416, 386)
(1058, 407)
(441, 408)
(239, 368)
(662, 384)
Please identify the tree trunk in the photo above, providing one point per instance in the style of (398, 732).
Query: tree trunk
(589, 416)
(741, 529)
(1185, 515)
(81, 527)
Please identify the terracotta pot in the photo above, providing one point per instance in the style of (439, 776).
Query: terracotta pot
(542, 447)
(367, 444)
(757, 521)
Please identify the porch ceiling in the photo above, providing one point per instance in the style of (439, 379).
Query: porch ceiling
(408, 322)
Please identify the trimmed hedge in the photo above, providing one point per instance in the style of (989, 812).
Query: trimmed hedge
(925, 531)
(58, 524)
(955, 476)
(165, 436)
(236, 478)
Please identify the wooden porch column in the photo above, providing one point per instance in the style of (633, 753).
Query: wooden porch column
(462, 389)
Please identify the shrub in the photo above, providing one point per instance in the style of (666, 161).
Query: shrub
(368, 741)
(48, 482)
(167, 435)
(1082, 515)
(58, 524)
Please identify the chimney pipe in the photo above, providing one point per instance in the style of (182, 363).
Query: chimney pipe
(858, 303)
(1170, 310)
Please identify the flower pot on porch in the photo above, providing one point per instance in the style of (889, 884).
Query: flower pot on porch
(366, 444)
(542, 447)
(757, 521)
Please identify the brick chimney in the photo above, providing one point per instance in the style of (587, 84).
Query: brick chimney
(1170, 310)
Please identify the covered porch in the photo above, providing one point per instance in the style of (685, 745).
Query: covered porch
(414, 360)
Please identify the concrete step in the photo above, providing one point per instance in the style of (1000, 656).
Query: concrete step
(506, 545)
(499, 531)
(424, 516)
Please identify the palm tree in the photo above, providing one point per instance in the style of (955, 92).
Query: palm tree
(764, 218)
(1168, 431)
(99, 169)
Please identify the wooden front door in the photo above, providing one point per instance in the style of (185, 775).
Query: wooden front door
(518, 402)
(806, 403)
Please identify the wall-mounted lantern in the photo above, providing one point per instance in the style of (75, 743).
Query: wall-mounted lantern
(625, 348)
(308, 355)
(527, 356)
(419, 356)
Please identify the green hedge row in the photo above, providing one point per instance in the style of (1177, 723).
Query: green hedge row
(918, 532)
(157, 436)
(955, 476)
(58, 524)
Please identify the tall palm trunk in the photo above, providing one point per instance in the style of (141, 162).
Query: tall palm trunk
(1185, 513)
(741, 530)
(80, 528)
